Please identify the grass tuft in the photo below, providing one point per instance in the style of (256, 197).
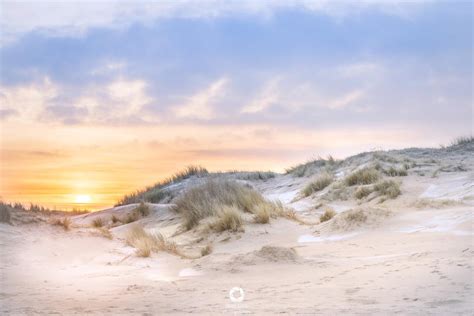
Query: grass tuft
(328, 214)
(155, 193)
(98, 222)
(311, 167)
(115, 219)
(207, 250)
(291, 215)
(5, 215)
(357, 216)
(143, 209)
(264, 211)
(393, 172)
(362, 192)
(463, 140)
(211, 197)
(132, 217)
(64, 223)
(322, 181)
(389, 188)
(105, 232)
(362, 176)
(146, 243)
(228, 218)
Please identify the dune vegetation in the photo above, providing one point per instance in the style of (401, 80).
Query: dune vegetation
(311, 167)
(228, 218)
(64, 223)
(5, 215)
(98, 222)
(146, 243)
(327, 215)
(388, 188)
(217, 198)
(365, 175)
(154, 193)
(318, 184)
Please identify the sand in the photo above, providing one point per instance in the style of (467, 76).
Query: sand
(413, 255)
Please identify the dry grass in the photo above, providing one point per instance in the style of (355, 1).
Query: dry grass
(264, 211)
(143, 247)
(98, 222)
(143, 209)
(35, 208)
(228, 218)
(361, 217)
(362, 176)
(5, 215)
(428, 203)
(256, 175)
(362, 192)
(145, 243)
(210, 198)
(322, 181)
(388, 188)
(338, 191)
(328, 214)
(115, 219)
(463, 140)
(357, 216)
(105, 232)
(207, 250)
(132, 217)
(64, 223)
(393, 172)
(291, 215)
(154, 193)
(311, 167)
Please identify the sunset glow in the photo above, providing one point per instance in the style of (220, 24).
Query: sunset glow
(82, 199)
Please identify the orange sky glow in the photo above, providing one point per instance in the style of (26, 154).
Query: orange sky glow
(53, 165)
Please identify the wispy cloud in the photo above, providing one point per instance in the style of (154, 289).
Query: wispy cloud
(121, 100)
(265, 99)
(200, 105)
(27, 102)
(347, 99)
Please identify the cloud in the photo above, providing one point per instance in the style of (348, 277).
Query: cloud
(118, 101)
(130, 95)
(199, 106)
(267, 97)
(26, 102)
(74, 18)
(121, 100)
(346, 99)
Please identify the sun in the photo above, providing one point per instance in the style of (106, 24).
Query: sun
(83, 199)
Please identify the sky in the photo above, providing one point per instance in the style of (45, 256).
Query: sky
(100, 98)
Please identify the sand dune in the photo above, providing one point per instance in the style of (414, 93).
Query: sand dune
(383, 253)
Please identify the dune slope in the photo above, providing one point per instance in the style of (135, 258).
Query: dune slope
(398, 240)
